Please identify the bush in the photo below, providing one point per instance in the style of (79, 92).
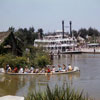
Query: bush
(37, 57)
(21, 61)
(12, 61)
(31, 57)
(42, 60)
(58, 93)
(7, 59)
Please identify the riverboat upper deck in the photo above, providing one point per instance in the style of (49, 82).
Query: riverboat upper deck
(58, 44)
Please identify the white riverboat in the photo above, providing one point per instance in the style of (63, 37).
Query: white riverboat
(57, 44)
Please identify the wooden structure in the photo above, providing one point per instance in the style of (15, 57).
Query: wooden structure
(8, 43)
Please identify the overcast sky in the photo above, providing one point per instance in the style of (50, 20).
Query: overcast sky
(48, 14)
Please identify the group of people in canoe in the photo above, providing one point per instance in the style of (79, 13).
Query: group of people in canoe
(47, 69)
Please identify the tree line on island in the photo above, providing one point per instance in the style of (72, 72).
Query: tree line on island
(90, 35)
(27, 36)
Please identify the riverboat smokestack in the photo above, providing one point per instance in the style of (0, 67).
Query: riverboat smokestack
(63, 29)
(70, 28)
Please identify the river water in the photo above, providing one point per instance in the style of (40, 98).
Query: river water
(87, 80)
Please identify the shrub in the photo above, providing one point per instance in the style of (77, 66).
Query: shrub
(58, 93)
(12, 60)
(42, 60)
(21, 61)
(31, 57)
(7, 59)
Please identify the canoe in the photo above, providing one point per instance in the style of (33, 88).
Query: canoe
(52, 73)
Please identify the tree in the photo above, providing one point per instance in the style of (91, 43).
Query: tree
(31, 29)
(92, 32)
(42, 61)
(11, 29)
(83, 33)
(40, 31)
(75, 33)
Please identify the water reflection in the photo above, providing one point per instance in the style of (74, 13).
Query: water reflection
(7, 86)
(22, 84)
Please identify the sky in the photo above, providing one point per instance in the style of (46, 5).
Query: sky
(48, 14)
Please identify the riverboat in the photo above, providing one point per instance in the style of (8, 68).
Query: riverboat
(56, 44)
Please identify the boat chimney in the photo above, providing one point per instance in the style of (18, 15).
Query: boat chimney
(63, 28)
(70, 28)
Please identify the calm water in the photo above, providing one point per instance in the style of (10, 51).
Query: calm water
(88, 79)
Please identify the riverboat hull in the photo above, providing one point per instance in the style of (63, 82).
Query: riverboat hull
(72, 52)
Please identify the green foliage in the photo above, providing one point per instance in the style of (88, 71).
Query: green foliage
(90, 32)
(7, 59)
(21, 61)
(83, 33)
(26, 36)
(37, 57)
(2, 50)
(12, 61)
(32, 57)
(42, 60)
(12, 29)
(58, 93)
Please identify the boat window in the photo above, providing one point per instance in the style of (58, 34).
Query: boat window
(59, 47)
(56, 48)
(65, 42)
(51, 48)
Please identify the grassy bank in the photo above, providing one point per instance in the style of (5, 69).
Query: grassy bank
(58, 93)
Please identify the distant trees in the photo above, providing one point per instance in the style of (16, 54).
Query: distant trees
(27, 36)
(31, 29)
(92, 33)
(12, 29)
(75, 33)
(83, 33)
